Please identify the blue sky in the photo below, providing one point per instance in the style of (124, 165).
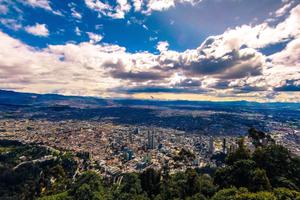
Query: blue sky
(184, 26)
(167, 49)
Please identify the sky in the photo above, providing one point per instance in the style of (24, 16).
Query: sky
(218, 50)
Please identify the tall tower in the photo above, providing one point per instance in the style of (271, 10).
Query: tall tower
(149, 140)
(130, 137)
(211, 145)
(136, 131)
(224, 148)
(153, 140)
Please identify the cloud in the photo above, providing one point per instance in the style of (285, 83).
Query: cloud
(290, 56)
(38, 30)
(283, 10)
(3, 9)
(39, 3)
(75, 14)
(290, 85)
(162, 46)
(161, 5)
(11, 24)
(155, 89)
(105, 9)
(77, 31)
(259, 36)
(44, 4)
(138, 4)
(138, 76)
(94, 38)
(122, 7)
(145, 27)
(229, 65)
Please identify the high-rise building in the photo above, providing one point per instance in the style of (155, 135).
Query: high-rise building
(224, 147)
(130, 137)
(211, 145)
(148, 139)
(151, 140)
(136, 131)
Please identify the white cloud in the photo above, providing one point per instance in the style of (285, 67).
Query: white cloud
(162, 46)
(283, 10)
(258, 36)
(123, 6)
(77, 31)
(161, 5)
(75, 14)
(38, 30)
(11, 24)
(39, 3)
(226, 64)
(44, 4)
(290, 56)
(137, 4)
(145, 27)
(105, 9)
(94, 38)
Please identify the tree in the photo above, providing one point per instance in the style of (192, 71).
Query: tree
(206, 185)
(286, 194)
(241, 174)
(130, 188)
(197, 196)
(238, 175)
(242, 153)
(256, 196)
(294, 171)
(258, 137)
(131, 184)
(191, 186)
(276, 160)
(259, 181)
(226, 194)
(150, 180)
(88, 186)
(59, 196)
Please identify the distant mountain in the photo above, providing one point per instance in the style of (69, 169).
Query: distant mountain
(32, 99)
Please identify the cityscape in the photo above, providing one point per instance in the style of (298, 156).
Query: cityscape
(118, 148)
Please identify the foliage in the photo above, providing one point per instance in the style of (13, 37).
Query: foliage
(286, 194)
(242, 153)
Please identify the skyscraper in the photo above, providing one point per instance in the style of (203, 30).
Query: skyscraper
(224, 148)
(151, 140)
(130, 137)
(211, 145)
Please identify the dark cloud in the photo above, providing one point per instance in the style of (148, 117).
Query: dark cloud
(156, 89)
(231, 65)
(248, 89)
(113, 65)
(189, 83)
(138, 76)
(290, 86)
(221, 84)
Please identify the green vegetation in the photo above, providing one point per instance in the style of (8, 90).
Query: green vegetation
(269, 173)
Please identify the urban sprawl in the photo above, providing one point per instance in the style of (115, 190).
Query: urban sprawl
(115, 149)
